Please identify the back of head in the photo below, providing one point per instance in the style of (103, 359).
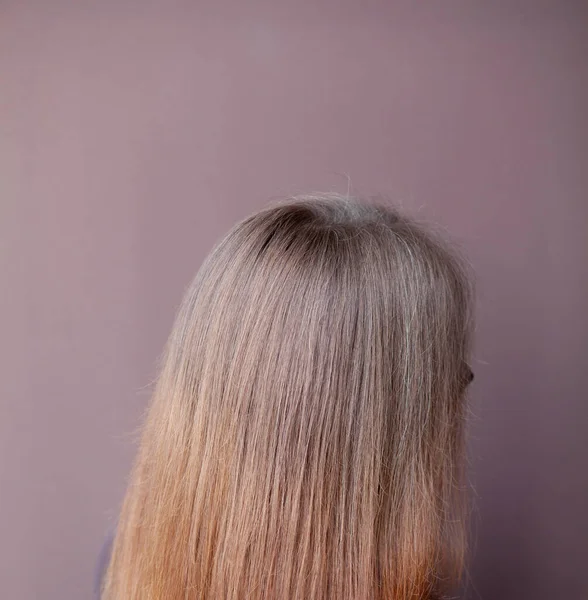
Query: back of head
(305, 437)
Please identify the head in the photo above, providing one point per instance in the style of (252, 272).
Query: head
(305, 436)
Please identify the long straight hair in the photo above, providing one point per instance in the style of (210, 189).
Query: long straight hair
(305, 437)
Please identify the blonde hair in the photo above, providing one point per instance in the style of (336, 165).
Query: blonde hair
(305, 437)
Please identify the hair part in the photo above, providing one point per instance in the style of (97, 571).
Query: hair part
(305, 437)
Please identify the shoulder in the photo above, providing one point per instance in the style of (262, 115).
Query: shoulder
(102, 562)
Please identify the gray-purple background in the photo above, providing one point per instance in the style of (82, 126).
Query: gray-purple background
(134, 134)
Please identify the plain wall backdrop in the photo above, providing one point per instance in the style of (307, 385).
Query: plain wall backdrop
(134, 134)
